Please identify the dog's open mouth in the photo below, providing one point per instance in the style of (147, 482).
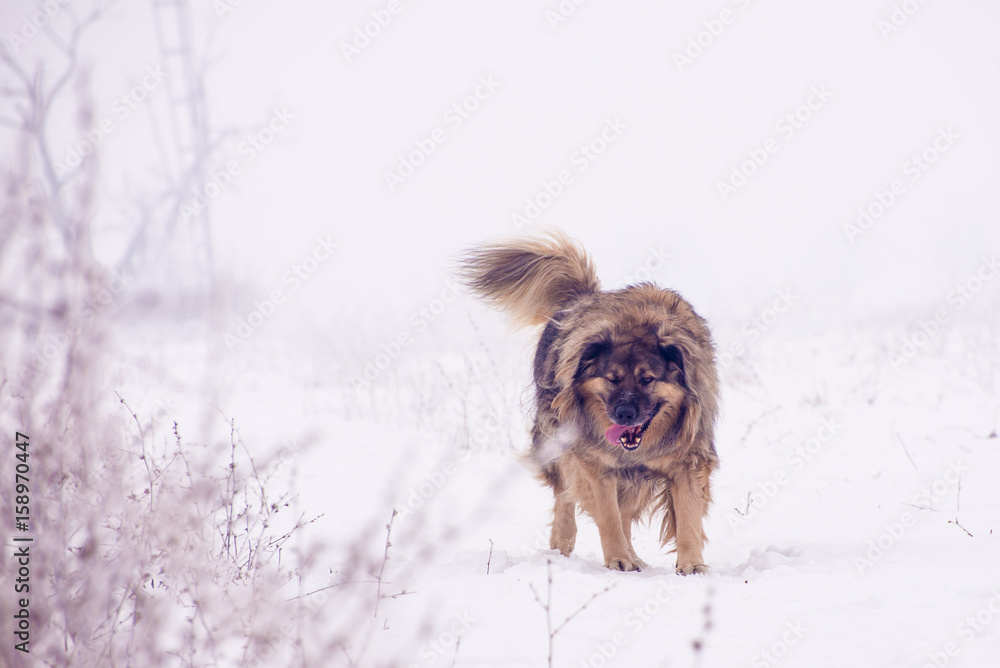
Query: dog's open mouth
(629, 438)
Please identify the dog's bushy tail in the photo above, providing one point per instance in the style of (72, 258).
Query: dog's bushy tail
(530, 278)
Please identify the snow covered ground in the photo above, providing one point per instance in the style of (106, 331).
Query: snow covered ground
(818, 180)
(833, 534)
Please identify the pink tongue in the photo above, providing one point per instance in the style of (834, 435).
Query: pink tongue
(615, 433)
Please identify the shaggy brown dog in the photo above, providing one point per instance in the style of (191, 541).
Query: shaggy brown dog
(626, 392)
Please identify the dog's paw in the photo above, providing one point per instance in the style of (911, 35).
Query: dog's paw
(690, 569)
(634, 558)
(624, 564)
(565, 547)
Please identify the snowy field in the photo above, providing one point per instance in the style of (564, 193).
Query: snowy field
(818, 180)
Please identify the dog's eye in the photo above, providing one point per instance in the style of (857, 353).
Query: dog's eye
(614, 380)
(646, 380)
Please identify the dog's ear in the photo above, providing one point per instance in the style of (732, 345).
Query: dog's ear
(591, 352)
(674, 358)
(694, 355)
(574, 360)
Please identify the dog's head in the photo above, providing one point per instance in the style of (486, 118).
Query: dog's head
(635, 368)
(633, 390)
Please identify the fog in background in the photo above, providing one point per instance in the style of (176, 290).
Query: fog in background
(687, 126)
(241, 220)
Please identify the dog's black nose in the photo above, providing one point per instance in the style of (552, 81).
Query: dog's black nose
(625, 413)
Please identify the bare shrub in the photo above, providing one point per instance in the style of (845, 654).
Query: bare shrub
(147, 549)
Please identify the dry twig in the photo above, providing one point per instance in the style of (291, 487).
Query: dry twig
(547, 606)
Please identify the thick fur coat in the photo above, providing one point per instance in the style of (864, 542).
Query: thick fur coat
(626, 393)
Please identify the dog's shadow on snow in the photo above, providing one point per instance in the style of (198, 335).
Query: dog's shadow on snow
(770, 558)
(585, 564)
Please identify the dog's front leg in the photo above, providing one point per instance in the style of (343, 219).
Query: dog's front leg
(690, 496)
(603, 507)
(563, 522)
